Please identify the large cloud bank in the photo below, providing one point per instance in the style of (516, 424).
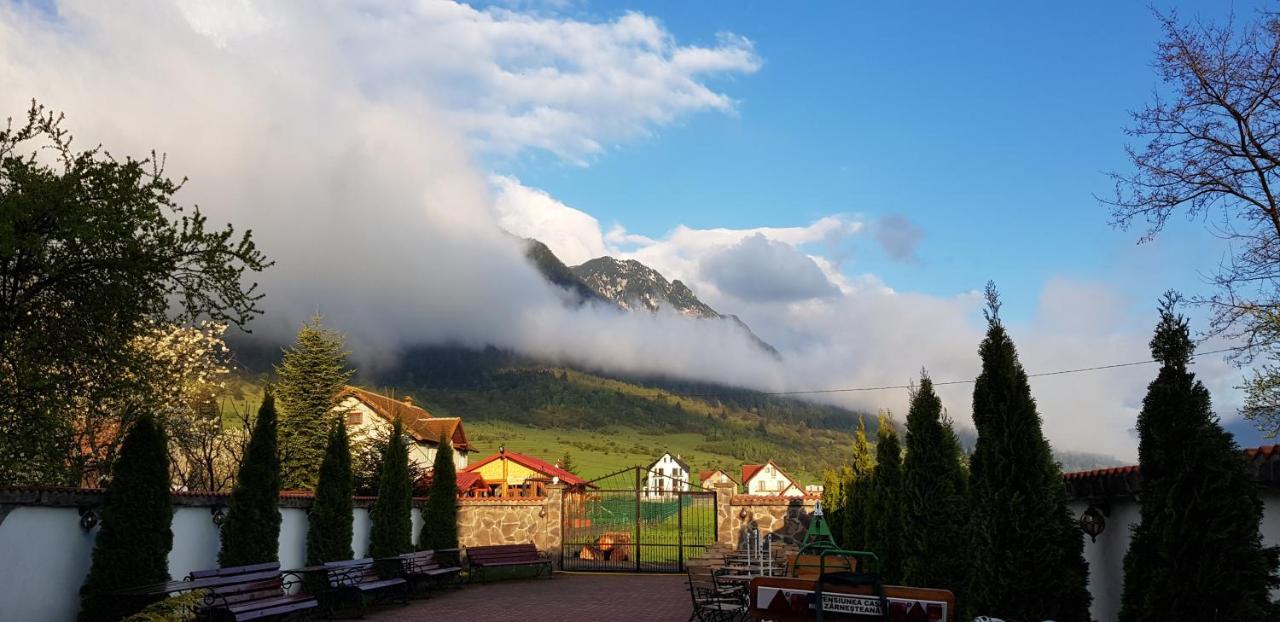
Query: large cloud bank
(342, 133)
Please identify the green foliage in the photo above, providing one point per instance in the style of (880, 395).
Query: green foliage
(884, 535)
(309, 379)
(180, 608)
(1197, 554)
(133, 545)
(251, 533)
(1027, 552)
(440, 514)
(856, 492)
(368, 456)
(92, 249)
(392, 516)
(935, 497)
(566, 463)
(329, 528)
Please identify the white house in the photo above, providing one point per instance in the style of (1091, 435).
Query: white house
(666, 475)
(769, 480)
(369, 413)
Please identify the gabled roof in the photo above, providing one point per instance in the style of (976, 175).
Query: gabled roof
(703, 476)
(751, 470)
(418, 423)
(1264, 466)
(535, 464)
(683, 465)
(465, 481)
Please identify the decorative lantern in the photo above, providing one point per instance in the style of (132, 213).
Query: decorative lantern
(1092, 522)
(88, 519)
(219, 515)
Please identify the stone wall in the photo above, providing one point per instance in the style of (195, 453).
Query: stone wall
(785, 517)
(494, 520)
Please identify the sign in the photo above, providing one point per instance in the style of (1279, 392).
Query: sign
(781, 598)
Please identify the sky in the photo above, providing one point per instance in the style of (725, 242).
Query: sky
(845, 177)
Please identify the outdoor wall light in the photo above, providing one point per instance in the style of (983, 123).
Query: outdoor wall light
(219, 515)
(88, 519)
(542, 513)
(743, 514)
(1092, 522)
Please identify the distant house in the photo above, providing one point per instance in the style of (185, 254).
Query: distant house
(369, 413)
(666, 475)
(716, 476)
(469, 484)
(770, 480)
(511, 474)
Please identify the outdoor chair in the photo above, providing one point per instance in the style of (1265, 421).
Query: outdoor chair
(710, 602)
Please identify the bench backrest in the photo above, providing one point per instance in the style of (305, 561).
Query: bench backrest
(350, 572)
(503, 553)
(232, 571)
(242, 583)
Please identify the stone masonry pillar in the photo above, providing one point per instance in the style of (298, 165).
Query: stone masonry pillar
(726, 520)
(552, 523)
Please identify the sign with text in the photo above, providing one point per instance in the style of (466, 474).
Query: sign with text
(785, 598)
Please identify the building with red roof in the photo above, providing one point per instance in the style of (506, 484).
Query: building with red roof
(512, 474)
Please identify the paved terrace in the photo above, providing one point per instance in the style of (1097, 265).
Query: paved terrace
(563, 598)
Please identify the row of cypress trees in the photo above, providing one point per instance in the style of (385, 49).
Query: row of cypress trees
(133, 544)
(1000, 533)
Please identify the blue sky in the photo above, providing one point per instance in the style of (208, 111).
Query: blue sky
(990, 127)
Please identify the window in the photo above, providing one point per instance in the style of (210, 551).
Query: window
(355, 417)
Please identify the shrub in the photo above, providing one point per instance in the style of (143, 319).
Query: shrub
(251, 534)
(440, 515)
(392, 512)
(329, 524)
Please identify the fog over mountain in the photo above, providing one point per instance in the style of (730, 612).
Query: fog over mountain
(347, 139)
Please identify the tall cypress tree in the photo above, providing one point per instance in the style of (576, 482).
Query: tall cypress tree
(884, 517)
(1027, 552)
(935, 498)
(251, 534)
(1197, 554)
(133, 545)
(329, 524)
(856, 491)
(392, 517)
(308, 381)
(440, 515)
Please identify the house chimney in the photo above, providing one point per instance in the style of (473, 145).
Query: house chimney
(408, 401)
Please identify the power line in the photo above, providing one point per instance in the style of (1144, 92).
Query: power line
(1060, 372)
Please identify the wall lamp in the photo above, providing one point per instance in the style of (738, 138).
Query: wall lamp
(88, 519)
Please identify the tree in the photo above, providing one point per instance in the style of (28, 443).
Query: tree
(856, 490)
(309, 378)
(1211, 150)
(329, 528)
(368, 456)
(884, 533)
(935, 491)
(132, 548)
(251, 533)
(440, 515)
(566, 462)
(1197, 554)
(94, 249)
(392, 512)
(1026, 550)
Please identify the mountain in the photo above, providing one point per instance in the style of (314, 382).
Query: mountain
(629, 285)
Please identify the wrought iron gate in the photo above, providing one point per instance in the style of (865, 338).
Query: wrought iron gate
(618, 523)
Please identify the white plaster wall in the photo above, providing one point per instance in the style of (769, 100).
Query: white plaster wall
(44, 557)
(196, 541)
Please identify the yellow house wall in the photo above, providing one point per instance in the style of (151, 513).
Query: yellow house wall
(516, 473)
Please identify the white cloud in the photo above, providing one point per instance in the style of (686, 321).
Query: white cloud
(760, 269)
(573, 235)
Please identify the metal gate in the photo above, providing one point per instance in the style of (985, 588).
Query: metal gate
(619, 523)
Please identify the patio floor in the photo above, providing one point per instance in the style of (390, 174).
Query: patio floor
(564, 598)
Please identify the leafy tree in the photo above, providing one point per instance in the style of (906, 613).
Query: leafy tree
(368, 456)
(566, 462)
(251, 533)
(1197, 554)
(94, 248)
(935, 497)
(1210, 149)
(329, 528)
(1027, 552)
(392, 517)
(884, 535)
(440, 515)
(856, 490)
(309, 378)
(133, 545)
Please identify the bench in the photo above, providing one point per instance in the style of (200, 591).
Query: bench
(482, 558)
(358, 580)
(253, 592)
(427, 568)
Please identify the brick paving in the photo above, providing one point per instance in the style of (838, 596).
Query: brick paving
(564, 598)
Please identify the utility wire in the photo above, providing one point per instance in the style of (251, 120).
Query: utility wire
(1060, 372)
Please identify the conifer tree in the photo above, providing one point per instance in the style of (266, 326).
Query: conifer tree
(329, 527)
(1197, 554)
(440, 515)
(884, 516)
(856, 491)
(251, 533)
(392, 517)
(1027, 552)
(935, 498)
(133, 544)
(310, 376)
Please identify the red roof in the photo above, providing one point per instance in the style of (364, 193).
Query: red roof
(536, 464)
(1127, 480)
(749, 471)
(465, 481)
(703, 476)
(418, 423)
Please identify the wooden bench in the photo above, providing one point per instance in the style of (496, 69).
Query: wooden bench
(482, 558)
(358, 580)
(425, 568)
(252, 592)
